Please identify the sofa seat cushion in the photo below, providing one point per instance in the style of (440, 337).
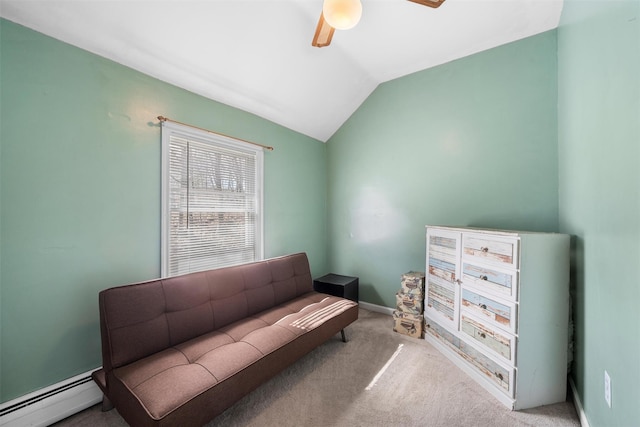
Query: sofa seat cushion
(197, 347)
(170, 389)
(164, 381)
(167, 380)
(227, 360)
(269, 338)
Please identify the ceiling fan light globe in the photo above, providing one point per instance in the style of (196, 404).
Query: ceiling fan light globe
(342, 14)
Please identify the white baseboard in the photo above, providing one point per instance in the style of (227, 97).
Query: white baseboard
(584, 422)
(376, 308)
(51, 404)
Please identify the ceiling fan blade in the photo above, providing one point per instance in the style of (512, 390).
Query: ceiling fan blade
(430, 3)
(324, 33)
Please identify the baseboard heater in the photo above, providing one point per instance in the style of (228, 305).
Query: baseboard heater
(51, 404)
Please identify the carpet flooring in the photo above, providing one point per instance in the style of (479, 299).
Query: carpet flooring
(340, 384)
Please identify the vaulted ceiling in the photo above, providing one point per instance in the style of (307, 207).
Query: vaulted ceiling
(256, 55)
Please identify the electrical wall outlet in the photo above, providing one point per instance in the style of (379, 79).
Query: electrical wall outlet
(607, 388)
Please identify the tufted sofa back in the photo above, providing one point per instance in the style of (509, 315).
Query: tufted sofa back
(142, 319)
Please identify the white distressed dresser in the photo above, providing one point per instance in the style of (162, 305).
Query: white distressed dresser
(497, 305)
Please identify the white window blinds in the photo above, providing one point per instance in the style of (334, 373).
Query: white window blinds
(212, 201)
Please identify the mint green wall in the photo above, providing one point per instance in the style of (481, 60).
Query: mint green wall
(512, 137)
(471, 142)
(599, 162)
(80, 196)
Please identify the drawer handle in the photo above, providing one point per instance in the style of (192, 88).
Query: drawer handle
(483, 335)
(499, 376)
(484, 249)
(483, 306)
(483, 278)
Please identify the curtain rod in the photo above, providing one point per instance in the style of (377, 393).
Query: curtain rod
(166, 119)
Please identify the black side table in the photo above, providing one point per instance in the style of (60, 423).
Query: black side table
(337, 285)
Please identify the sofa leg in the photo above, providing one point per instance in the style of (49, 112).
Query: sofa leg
(106, 404)
(344, 338)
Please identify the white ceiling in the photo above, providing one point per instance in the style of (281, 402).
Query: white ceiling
(256, 55)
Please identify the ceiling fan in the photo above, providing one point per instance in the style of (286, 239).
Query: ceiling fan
(345, 14)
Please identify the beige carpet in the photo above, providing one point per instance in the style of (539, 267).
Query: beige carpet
(329, 388)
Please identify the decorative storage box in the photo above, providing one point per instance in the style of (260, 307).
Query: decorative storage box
(413, 283)
(408, 324)
(409, 303)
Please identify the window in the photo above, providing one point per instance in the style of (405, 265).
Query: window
(211, 200)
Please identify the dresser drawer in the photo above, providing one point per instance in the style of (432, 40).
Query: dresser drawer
(440, 300)
(502, 314)
(499, 375)
(503, 282)
(493, 249)
(443, 255)
(501, 343)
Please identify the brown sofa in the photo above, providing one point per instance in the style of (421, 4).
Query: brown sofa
(179, 351)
